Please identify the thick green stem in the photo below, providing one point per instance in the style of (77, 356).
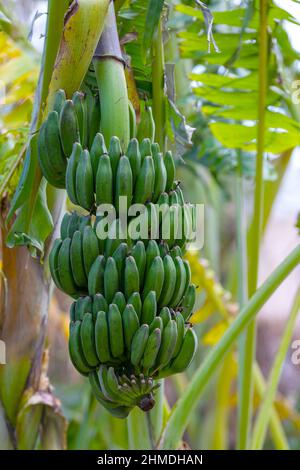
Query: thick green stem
(187, 403)
(138, 430)
(255, 232)
(263, 418)
(110, 74)
(158, 89)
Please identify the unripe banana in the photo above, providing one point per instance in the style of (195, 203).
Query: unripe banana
(71, 172)
(124, 183)
(145, 148)
(77, 261)
(115, 153)
(81, 113)
(154, 278)
(138, 345)
(98, 149)
(65, 269)
(151, 350)
(131, 277)
(160, 175)
(83, 305)
(111, 279)
(104, 181)
(115, 329)
(53, 263)
(169, 281)
(102, 338)
(53, 144)
(59, 100)
(99, 305)
(85, 182)
(96, 276)
(152, 252)
(180, 332)
(188, 302)
(165, 315)
(87, 335)
(149, 309)
(186, 353)
(68, 127)
(136, 301)
(180, 284)
(145, 182)
(157, 323)
(170, 167)
(130, 325)
(75, 349)
(90, 248)
(139, 254)
(134, 156)
(168, 343)
(120, 301)
(52, 176)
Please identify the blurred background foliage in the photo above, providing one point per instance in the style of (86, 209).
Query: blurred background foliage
(211, 94)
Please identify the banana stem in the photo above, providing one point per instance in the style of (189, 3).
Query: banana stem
(158, 93)
(110, 73)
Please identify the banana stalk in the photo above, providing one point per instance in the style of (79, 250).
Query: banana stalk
(109, 67)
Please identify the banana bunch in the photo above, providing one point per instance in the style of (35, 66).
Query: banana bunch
(70, 121)
(129, 323)
(102, 176)
(108, 340)
(81, 265)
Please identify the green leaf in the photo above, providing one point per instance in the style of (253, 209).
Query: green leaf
(152, 18)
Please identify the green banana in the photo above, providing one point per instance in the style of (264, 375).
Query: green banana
(188, 275)
(124, 183)
(73, 224)
(68, 127)
(169, 281)
(99, 305)
(75, 349)
(136, 301)
(119, 256)
(98, 149)
(71, 172)
(114, 408)
(134, 156)
(139, 254)
(59, 100)
(85, 182)
(154, 278)
(90, 248)
(145, 148)
(53, 262)
(180, 332)
(104, 181)
(149, 309)
(180, 284)
(77, 261)
(131, 277)
(144, 186)
(151, 350)
(81, 113)
(165, 315)
(115, 329)
(168, 343)
(94, 117)
(146, 126)
(65, 269)
(96, 276)
(138, 345)
(152, 252)
(170, 167)
(46, 165)
(83, 305)
(188, 302)
(53, 144)
(88, 345)
(186, 353)
(157, 323)
(130, 325)
(160, 175)
(115, 153)
(102, 338)
(64, 225)
(120, 301)
(111, 279)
